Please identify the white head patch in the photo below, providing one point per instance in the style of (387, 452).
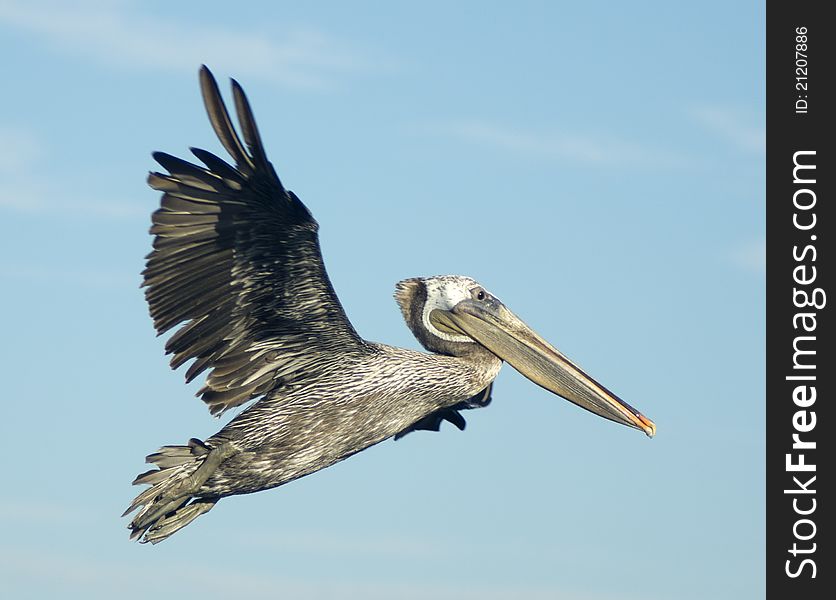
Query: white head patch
(444, 292)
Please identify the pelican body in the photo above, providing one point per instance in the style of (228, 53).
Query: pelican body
(237, 265)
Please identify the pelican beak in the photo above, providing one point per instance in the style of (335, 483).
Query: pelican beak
(490, 324)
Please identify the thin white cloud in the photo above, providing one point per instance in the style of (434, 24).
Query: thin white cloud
(326, 543)
(38, 512)
(37, 199)
(23, 190)
(31, 197)
(119, 34)
(98, 578)
(84, 277)
(18, 149)
(589, 149)
(735, 126)
(750, 256)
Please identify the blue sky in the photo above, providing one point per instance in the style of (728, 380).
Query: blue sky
(598, 166)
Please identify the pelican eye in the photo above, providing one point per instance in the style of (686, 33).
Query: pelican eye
(480, 294)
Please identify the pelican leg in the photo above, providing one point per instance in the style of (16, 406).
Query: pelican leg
(188, 487)
(432, 422)
(216, 456)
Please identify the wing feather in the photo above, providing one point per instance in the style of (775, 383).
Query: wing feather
(237, 265)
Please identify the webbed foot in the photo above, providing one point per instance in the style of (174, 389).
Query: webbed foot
(432, 422)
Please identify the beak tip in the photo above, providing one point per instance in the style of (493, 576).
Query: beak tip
(648, 426)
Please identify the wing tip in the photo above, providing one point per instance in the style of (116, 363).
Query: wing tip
(205, 74)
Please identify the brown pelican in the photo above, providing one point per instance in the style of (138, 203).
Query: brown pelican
(236, 259)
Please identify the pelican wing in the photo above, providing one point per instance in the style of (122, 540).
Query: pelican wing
(236, 260)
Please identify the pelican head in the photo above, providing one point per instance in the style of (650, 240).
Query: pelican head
(455, 315)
